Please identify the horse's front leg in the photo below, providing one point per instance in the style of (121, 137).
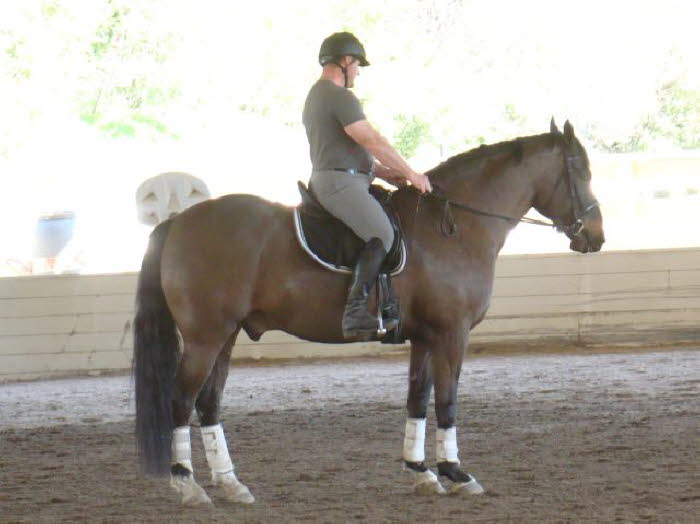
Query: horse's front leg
(420, 383)
(447, 365)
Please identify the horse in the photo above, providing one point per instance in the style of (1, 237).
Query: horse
(233, 263)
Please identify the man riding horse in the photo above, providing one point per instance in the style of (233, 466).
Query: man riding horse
(232, 264)
(343, 147)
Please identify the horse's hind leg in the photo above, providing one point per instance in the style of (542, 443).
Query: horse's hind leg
(208, 407)
(198, 358)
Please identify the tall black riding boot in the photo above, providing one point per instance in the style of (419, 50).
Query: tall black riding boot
(357, 320)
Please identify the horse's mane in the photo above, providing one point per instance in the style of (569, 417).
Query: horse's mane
(514, 148)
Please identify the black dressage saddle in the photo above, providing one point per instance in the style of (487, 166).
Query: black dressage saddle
(333, 244)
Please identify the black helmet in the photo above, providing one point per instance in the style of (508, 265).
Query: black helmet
(341, 44)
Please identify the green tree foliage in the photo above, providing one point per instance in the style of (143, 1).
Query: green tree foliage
(678, 118)
(451, 73)
(674, 123)
(124, 99)
(411, 134)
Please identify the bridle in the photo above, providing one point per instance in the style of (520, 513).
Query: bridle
(449, 228)
(580, 211)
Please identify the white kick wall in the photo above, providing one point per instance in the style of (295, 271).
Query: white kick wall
(73, 324)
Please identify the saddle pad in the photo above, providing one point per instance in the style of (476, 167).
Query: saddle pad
(303, 221)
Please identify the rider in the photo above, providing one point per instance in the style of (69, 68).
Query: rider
(343, 147)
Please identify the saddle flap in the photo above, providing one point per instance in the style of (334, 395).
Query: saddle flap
(332, 243)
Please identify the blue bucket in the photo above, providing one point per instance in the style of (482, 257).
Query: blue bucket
(53, 232)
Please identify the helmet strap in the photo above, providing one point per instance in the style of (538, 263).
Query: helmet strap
(345, 74)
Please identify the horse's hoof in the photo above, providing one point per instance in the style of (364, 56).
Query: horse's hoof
(192, 493)
(428, 489)
(238, 493)
(466, 488)
(196, 499)
(427, 484)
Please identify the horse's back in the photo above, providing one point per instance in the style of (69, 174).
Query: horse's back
(228, 218)
(242, 207)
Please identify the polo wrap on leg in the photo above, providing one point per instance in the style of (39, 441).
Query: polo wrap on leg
(216, 449)
(221, 466)
(414, 440)
(181, 447)
(446, 445)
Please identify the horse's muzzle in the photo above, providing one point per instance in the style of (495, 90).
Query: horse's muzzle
(582, 244)
(591, 237)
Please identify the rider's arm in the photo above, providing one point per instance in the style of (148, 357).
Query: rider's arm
(364, 134)
(390, 175)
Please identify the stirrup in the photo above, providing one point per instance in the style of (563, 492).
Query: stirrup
(384, 325)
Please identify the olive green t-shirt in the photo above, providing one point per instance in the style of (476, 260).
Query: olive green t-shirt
(328, 109)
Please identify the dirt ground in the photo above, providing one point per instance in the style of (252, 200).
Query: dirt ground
(553, 438)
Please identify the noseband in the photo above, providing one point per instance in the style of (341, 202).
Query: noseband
(449, 228)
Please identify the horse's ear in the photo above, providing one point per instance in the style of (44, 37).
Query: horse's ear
(568, 130)
(553, 127)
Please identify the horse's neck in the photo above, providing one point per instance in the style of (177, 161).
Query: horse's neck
(508, 194)
(507, 191)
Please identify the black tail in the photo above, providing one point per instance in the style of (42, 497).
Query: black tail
(156, 350)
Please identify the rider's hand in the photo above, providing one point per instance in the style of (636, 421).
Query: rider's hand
(397, 181)
(420, 182)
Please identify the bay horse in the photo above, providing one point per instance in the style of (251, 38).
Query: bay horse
(234, 263)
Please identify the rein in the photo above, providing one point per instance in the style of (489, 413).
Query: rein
(449, 228)
(441, 196)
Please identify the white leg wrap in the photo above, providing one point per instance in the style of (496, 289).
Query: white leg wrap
(216, 449)
(221, 466)
(181, 447)
(446, 445)
(414, 440)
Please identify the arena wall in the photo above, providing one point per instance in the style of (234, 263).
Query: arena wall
(73, 324)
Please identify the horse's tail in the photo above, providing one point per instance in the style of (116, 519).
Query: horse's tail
(156, 349)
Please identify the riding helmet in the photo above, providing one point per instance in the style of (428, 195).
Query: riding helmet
(342, 44)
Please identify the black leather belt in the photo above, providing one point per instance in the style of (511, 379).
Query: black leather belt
(351, 171)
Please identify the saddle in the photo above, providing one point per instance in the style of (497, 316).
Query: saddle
(333, 244)
(336, 247)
